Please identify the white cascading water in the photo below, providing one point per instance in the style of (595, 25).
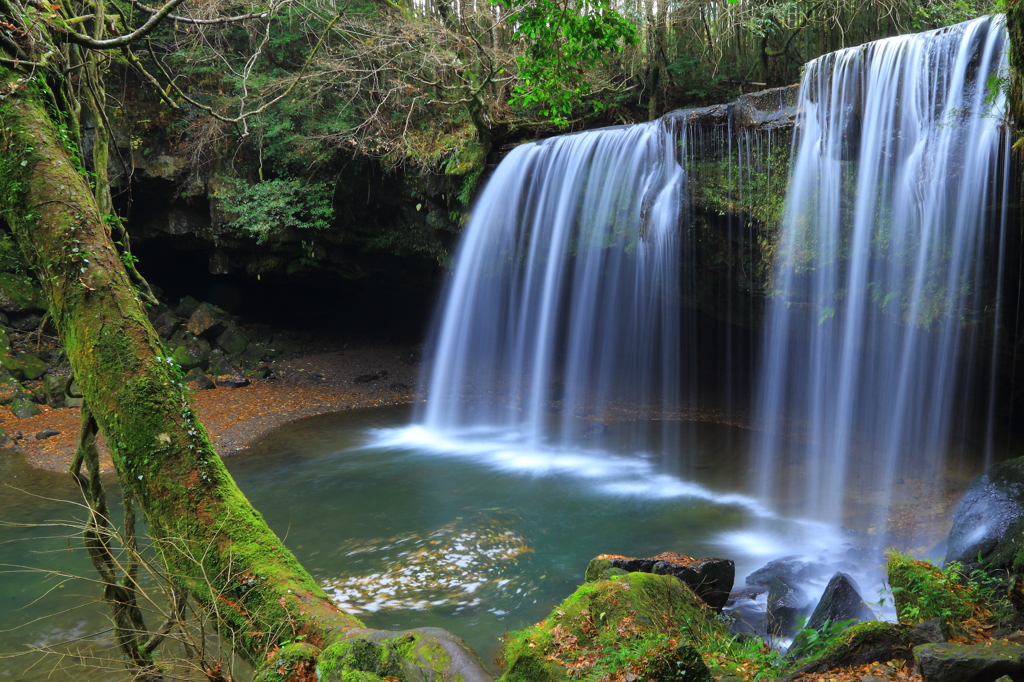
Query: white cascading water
(564, 302)
(891, 261)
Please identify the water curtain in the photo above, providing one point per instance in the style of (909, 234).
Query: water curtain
(564, 302)
(886, 296)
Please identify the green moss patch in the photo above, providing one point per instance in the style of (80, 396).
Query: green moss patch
(923, 591)
(644, 625)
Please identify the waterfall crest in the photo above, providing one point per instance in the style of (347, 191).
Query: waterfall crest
(890, 267)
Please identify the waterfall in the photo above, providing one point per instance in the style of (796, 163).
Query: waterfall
(888, 285)
(563, 307)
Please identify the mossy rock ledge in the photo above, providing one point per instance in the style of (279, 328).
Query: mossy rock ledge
(710, 579)
(639, 623)
(989, 523)
(366, 655)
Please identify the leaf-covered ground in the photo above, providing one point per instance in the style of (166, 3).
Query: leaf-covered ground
(302, 387)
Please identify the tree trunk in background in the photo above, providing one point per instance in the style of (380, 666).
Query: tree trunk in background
(211, 540)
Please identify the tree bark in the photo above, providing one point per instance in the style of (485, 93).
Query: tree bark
(210, 538)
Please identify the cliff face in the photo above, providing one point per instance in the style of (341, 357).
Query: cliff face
(391, 233)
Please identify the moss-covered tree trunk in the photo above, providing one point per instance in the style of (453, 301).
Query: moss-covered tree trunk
(213, 542)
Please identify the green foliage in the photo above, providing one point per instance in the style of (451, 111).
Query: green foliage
(270, 207)
(922, 591)
(564, 38)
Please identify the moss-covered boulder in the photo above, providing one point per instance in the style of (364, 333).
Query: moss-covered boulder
(710, 579)
(921, 591)
(988, 527)
(19, 293)
(952, 662)
(860, 644)
(637, 624)
(232, 340)
(194, 352)
(365, 655)
(340, 660)
(32, 366)
(23, 408)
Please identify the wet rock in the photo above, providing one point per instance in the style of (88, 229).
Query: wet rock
(23, 408)
(205, 383)
(232, 340)
(74, 402)
(367, 378)
(32, 366)
(231, 381)
(73, 391)
(186, 307)
(398, 386)
(5, 440)
(195, 352)
(989, 523)
(791, 568)
(787, 601)
(927, 632)
(207, 320)
(710, 579)
(841, 601)
(47, 433)
(745, 615)
(595, 430)
(951, 662)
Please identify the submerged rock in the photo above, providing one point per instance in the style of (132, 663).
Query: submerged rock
(790, 568)
(787, 601)
(710, 579)
(989, 523)
(985, 662)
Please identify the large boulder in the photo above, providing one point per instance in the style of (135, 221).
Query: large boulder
(985, 662)
(840, 602)
(710, 579)
(634, 626)
(989, 523)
